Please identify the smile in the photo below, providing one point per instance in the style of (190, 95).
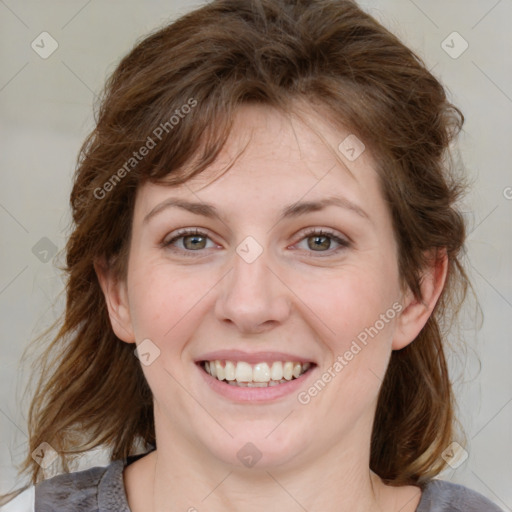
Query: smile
(263, 374)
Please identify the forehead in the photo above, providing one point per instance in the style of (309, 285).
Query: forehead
(261, 134)
(275, 158)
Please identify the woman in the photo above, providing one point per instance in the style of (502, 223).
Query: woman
(265, 253)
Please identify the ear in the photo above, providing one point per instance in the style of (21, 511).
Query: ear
(415, 314)
(116, 298)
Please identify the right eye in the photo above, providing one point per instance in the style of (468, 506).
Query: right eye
(193, 240)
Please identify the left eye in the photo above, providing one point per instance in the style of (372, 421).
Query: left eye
(194, 240)
(320, 238)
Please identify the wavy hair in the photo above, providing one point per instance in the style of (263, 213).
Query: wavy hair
(91, 391)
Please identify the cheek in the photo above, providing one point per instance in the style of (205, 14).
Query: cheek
(352, 299)
(150, 300)
(165, 301)
(356, 310)
(348, 385)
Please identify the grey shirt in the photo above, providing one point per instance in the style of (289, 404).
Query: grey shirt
(101, 489)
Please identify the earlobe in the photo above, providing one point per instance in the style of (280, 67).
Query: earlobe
(116, 299)
(415, 314)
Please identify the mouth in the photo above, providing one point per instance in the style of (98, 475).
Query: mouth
(260, 375)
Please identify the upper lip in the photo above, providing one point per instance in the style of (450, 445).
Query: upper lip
(252, 357)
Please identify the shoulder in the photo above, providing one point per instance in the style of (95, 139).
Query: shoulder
(444, 496)
(90, 490)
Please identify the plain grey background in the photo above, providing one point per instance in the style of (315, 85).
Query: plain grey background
(46, 112)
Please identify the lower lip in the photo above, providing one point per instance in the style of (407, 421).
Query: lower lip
(244, 394)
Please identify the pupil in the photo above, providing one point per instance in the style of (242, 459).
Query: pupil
(193, 239)
(316, 245)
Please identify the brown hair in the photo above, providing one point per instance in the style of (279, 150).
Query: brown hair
(92, 391)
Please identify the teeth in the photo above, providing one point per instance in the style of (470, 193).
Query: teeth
(229, 370)
(259, 375)
(277, 371)
(243, 372)
(256, 384)
(218, 371)
(288, 370)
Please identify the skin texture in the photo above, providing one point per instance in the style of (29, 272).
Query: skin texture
(293, 298)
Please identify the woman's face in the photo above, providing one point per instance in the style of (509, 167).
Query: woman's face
(287, 258)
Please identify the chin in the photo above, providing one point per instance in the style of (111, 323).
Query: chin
(254, 448)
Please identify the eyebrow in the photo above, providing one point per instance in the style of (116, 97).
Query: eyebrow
(290, 211)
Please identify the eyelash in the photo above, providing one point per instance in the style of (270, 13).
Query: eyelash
(310, 232)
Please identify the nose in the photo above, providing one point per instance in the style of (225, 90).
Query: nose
(253, 296)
